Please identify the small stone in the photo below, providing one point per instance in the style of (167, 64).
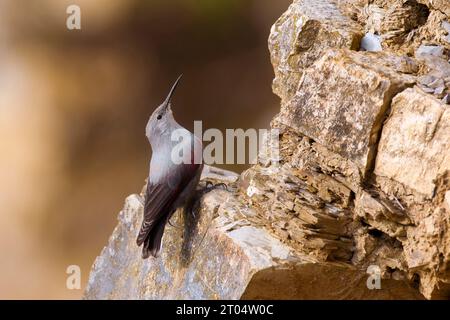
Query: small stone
(426, 89)
(439, 82)
(426, 80)
(439, 90)
(437, 51)
(371, 42)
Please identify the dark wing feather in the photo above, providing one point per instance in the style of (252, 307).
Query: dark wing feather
(152, 243)
(159, 197)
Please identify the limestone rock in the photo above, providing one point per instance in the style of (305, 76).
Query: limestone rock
(437, 51)
(220, 255)
(404, 25)
(440, 5)
(342, 99)
(300, 37)
(415, 147)
(400, 19)
(360, 179)
(436, 71)
(210, 256)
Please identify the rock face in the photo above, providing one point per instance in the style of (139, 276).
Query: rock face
(360, 189)
(415, 146)
(341, 101)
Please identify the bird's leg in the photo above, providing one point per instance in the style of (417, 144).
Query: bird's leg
(195, 206)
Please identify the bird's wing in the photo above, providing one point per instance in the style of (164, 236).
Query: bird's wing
(161, 195)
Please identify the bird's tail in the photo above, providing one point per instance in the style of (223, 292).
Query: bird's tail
(152, 243)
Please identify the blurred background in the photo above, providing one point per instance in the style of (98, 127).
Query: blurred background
(74, 105)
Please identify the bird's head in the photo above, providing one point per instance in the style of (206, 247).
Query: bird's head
(161, 120)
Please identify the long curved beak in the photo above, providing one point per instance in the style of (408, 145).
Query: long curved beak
(169, 96)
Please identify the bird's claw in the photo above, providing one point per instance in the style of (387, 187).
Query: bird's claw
(210, 186)
(170, 223)
(221, 185)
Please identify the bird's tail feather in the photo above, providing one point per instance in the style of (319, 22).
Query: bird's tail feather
(152, 243)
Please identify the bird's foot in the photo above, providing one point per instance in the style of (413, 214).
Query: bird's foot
(211, 186)
(170, 224)
(195, 206)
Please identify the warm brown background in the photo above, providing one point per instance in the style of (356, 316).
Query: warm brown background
(74, 104)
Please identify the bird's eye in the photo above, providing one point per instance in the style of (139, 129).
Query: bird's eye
(159, 117)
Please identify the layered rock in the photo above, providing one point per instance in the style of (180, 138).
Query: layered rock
(360, 182)
(415, 147)
(301, 35)
(341, 101)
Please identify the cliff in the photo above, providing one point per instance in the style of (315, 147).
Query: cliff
(362, 181)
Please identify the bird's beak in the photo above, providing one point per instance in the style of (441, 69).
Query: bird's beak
(169, 96)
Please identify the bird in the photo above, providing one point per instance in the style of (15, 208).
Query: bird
(171, 184)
